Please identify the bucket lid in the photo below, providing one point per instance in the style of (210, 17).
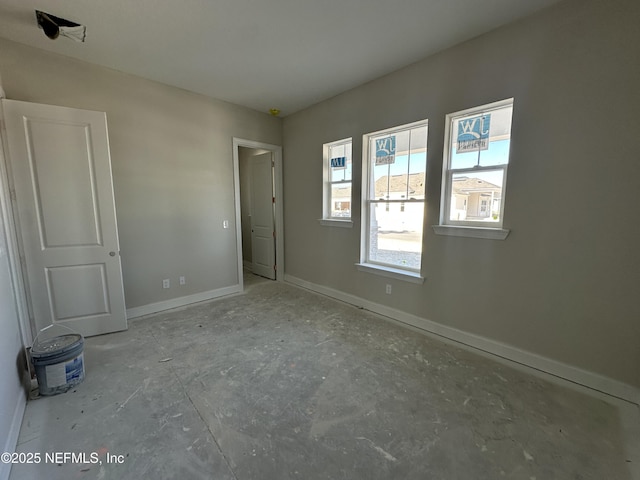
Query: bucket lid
(56, 345)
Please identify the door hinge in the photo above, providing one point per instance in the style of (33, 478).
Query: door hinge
(275, 267)
(12, 195)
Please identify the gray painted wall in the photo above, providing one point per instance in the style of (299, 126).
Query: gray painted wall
(172, 160)
(564, 284)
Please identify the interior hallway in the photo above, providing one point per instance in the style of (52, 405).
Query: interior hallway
(281, 383)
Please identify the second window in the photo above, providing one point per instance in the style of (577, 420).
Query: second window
(395, 175)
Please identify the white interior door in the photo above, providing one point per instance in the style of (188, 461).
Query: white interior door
(61, 171)
(263, 246)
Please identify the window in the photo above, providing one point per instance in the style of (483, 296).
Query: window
(337, 181)
(476, 156)
(394, 182)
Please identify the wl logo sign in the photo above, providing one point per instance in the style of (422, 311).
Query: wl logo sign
(473, 134)
(386, 150)
(339, 162)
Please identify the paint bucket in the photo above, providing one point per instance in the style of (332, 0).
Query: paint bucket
(58, 361)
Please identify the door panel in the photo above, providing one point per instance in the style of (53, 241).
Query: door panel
(61, 171)
(84, 291)
(64, 194)
(263, 248)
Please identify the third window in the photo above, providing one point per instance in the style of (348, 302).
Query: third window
(476, 158)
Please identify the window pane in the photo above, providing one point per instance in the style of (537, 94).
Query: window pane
(394, 210)
(341, 200)
(340, 169)
(399, 162)
(476, 196)
(481, 139)
(395, 236)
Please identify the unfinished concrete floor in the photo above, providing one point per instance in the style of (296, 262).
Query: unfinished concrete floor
(281, 383)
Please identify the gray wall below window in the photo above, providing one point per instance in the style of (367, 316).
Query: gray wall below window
(564, 284)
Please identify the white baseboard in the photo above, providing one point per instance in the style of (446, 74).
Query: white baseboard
(14, 433)
(471, 341)
(181, 301)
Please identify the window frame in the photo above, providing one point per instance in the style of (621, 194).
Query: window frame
(328, 184)
(399, 272)
(473, 228)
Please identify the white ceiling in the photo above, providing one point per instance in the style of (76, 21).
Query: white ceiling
(261, 54)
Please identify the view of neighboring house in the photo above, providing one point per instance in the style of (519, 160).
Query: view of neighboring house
(397, 215)
(341, 197)
(474, 199)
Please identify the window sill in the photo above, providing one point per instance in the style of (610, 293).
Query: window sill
(473, 232)
(331, 222)
(396, 273)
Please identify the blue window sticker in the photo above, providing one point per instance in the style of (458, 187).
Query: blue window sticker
(339, 162)
(386, 150)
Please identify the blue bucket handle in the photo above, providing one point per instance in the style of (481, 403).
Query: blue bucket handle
(53, 325)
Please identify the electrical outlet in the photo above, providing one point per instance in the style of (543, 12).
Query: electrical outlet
(388, 289)
(225, 224)
(166, 283)
(183, 281)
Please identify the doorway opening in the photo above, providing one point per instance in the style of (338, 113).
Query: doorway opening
(259, 208)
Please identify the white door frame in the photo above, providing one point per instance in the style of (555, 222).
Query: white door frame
(276, 150)
(13, 243)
